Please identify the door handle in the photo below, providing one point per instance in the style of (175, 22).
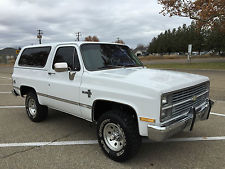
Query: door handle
(50, 73)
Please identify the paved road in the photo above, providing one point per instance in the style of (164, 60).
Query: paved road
(194, 60)
(15, 127)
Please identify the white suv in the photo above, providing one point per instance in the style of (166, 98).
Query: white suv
(106, 84)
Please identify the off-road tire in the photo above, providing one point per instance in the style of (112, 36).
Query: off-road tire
(128, 124)
(41, 111)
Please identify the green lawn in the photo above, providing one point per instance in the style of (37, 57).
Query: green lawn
(212, 65)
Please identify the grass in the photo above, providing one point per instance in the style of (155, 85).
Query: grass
(152, 57)
(211, 65)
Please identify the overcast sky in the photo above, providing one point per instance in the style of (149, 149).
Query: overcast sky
(134, 21)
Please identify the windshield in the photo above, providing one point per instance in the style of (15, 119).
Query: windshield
(108, 56)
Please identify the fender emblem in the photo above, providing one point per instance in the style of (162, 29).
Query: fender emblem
(87, 92)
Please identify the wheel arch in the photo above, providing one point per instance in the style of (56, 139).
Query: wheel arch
(26, 89)
(100, 106)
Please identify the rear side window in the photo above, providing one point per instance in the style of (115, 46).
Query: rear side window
(34, 57)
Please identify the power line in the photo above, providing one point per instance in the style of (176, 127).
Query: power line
(39, 35)
(78, 35)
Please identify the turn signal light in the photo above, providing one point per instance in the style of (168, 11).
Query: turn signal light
(147, 119)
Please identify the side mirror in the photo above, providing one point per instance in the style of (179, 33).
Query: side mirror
(61, 67)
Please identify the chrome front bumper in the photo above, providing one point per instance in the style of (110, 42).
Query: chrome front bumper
(157, 133)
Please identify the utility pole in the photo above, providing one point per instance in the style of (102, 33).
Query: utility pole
(78, 34)
(39, 35)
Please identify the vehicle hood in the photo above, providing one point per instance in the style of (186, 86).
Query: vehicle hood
(159, 80)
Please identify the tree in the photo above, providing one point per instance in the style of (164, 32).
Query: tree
(177, 40)
(207, 13)
(95, 39)
(91, 38)
(119, 41)
(216, 41)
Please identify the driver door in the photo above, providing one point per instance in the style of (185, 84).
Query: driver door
(64, 87)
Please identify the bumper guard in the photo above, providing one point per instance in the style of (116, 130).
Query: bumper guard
(157, 133)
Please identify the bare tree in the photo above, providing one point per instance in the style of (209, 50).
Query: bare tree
(91, 38)
(119, 41)
(95, 39)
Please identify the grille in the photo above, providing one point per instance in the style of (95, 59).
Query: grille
(188, 93)
(185, 107)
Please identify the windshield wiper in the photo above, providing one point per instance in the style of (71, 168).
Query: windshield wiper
(118, 66)
(132, 65)
(109, 67)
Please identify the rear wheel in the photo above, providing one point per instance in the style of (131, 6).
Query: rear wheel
(118, 135)
(35, 111)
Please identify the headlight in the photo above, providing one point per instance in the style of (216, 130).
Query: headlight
(166, 107)
(166, 114)
(208, 89)
(164, 100)
(208, 85)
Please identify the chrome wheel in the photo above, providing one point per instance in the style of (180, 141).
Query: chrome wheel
(32, 107)
(114, 136)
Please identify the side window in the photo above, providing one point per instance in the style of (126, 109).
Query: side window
(34, 57)
(69, 55)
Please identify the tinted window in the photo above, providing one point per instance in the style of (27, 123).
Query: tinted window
(106, 56)
(69, 55)
(34, 57)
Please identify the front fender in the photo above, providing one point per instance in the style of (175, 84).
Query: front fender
(142, 126)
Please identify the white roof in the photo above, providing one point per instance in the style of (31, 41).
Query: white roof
(67, 43)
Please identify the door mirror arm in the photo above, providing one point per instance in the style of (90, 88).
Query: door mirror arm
(72, 75)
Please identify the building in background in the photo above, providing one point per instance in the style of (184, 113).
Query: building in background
(140, 51)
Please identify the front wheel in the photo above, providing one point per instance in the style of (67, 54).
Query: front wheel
(118, 135)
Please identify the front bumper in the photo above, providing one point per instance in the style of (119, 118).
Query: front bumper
(157, 133)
